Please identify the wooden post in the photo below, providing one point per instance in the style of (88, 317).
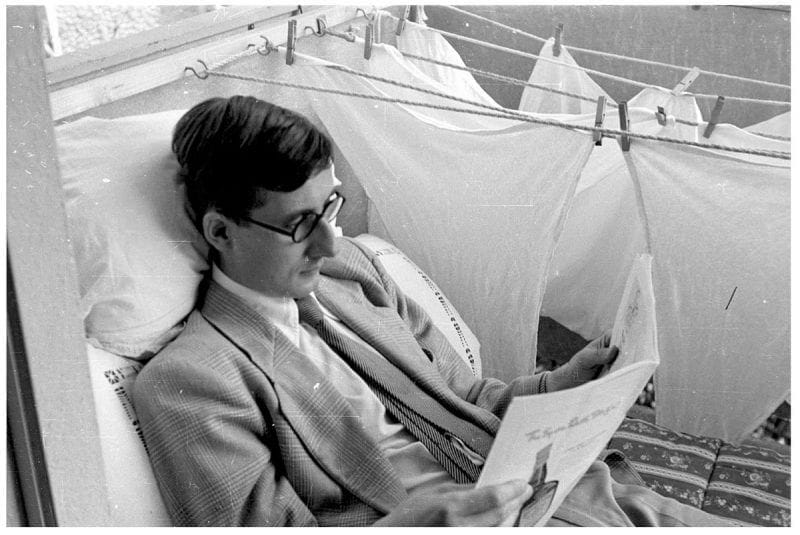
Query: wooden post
(60, 459)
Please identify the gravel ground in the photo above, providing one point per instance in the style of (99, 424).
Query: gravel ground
(80, 27)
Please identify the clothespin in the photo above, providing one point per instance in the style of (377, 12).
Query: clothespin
(322, 25)
(369, 38)
(291, 40)
(687, 80)
(661, 116)
(599, 117)
(714, 119)
(402, 22)
(557, 44)
(624, 124)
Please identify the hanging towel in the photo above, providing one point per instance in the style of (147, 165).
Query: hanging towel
(477, 214)
(718, 228)
(563, 78)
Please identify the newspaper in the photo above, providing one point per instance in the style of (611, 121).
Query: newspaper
(553, 438)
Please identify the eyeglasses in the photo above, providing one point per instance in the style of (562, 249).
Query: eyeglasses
(306, 226)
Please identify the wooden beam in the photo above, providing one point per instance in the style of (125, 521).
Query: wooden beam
(123, 83)
(117, 54)
(49, 325)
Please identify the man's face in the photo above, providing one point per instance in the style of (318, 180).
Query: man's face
(271, 263)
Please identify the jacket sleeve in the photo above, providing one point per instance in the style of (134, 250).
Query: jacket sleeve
(488, 393)
(211, 447)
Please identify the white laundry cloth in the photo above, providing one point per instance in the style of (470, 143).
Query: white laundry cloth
(561, 77)
(479, 215)
(733, 136)
(682, 106)
(603, 232)
(420, 40)
(718, 228)
(780, 125)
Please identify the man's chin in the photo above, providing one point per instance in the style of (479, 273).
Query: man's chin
(306, 285)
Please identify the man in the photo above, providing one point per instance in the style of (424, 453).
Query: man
(305, 388)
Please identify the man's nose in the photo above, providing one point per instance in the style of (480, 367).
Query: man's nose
(323, 239)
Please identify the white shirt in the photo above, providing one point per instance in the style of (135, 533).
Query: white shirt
(417, 468)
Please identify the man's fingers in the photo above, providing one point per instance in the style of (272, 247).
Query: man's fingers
(494, 505)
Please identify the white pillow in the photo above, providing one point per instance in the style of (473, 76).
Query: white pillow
(139, 258)
(418, 286)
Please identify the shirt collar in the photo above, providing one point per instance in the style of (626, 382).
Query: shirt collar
(282, 311)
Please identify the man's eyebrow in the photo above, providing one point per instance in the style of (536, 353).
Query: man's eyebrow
(303, 211)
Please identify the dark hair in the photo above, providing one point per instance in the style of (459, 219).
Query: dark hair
(230, 149)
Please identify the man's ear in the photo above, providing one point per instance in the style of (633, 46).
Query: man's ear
(217, 230)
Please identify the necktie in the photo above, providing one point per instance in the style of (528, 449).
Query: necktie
(445, 435)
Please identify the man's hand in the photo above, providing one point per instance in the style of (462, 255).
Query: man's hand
(584, 366)
(462, 505)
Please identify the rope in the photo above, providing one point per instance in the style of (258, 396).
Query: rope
(487, 74)
(517, 31)
(592, 71)
(772, 136)
(249, 51)
(502, 78)
(508, 112)
(607, 131)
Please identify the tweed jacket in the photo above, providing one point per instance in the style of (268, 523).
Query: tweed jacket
(242, 429)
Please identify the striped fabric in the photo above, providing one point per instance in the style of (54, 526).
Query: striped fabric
(749, 485)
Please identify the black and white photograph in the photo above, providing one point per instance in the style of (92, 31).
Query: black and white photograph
(443, 265)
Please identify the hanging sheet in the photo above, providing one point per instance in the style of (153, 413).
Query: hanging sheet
(780, 125)
(604, 232)
(420, 40)
(560, 77)
(476, 213)
(718, 227)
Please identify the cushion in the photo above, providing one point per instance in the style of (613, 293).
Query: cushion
(747, 484)
(750, 484)
(418, 286)
(139, 258)
(133, 494)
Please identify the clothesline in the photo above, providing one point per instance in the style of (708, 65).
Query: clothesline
(517, 31)
(503, 114)
(506, 79)
(515, 81)
(592, 71)
(479, 72)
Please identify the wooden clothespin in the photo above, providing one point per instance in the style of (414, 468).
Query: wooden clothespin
(401, 24)
(687, 80)
(557, 44)
(661, 116)
(714, 119)
(599, 117)
(322, 25)
(291, 40)
(369, 39)
(625, 125)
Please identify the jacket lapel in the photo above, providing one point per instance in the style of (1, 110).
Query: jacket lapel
(314, 408)
(383, 329)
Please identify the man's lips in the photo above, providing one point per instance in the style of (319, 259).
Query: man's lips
(312, 268)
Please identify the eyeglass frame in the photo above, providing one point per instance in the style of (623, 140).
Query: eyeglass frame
(335, 196)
